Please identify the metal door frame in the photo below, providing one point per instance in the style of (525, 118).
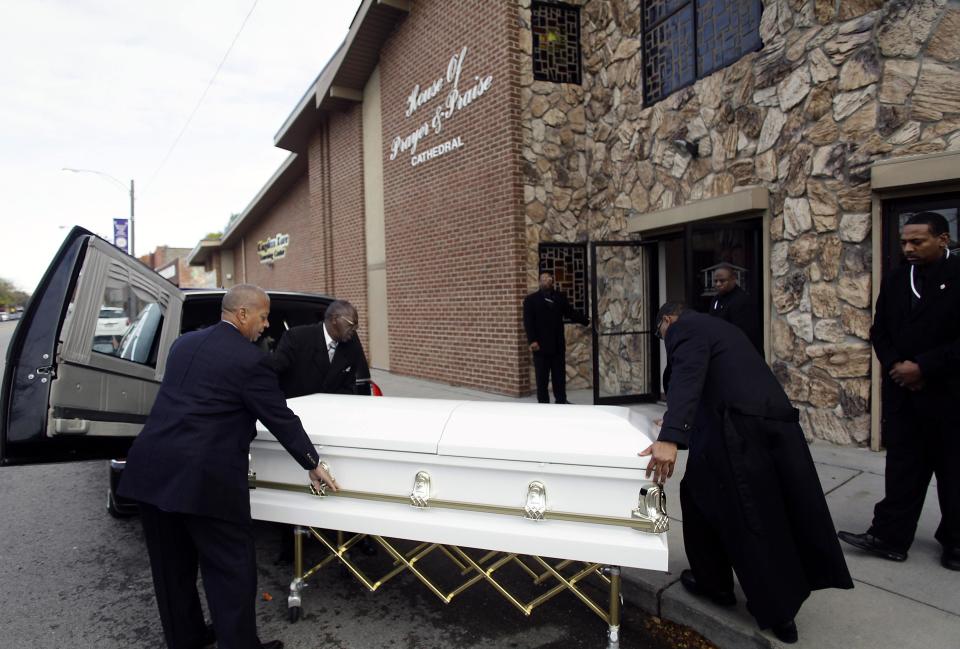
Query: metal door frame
(654, 351)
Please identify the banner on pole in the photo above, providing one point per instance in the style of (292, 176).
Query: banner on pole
(121, 236)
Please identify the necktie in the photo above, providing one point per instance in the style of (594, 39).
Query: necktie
(331, 350)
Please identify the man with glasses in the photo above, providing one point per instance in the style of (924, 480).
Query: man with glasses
(750, 497)
(325, 357)
(328, 358)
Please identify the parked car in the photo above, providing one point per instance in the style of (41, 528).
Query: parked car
(67, 396)
(4, 316)
(111, 325)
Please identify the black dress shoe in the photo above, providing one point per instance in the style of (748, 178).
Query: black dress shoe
(564, 401)
(718, 597)
(951, 558)
(209, 638)
(786, 632)
(869, 543)
(272, 644)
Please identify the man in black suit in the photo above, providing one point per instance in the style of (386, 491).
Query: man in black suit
(751, 499)
(916, 336)
(188, 469)
(734, 305)
(543, 314)
(326, 357)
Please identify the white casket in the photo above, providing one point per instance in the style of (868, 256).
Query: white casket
(560, 481)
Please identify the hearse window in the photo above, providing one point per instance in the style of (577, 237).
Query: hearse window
(128, 324)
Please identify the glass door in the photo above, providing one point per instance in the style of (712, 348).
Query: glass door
(626, 365)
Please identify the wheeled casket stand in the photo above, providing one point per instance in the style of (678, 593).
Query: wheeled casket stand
(519, 481)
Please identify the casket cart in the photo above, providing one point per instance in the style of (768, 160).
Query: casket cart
(517, 481)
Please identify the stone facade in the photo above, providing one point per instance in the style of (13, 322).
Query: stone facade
(835, 87)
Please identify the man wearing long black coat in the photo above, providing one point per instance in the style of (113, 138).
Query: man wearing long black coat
(188, 469)
(543, 314)
(751, 498)
(916, 336)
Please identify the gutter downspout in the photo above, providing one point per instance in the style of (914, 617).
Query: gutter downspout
(243, 257)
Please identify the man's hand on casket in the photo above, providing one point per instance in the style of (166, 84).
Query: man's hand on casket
(320, 477)
(662, 460)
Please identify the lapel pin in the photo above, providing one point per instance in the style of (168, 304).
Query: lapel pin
(943, 286)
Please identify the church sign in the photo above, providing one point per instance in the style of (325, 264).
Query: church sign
(460, 94)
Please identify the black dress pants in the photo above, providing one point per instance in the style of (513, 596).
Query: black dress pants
(704, 545)
(224, 552)
(918, 447)
(547, 367)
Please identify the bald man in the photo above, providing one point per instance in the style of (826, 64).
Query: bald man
(188, 470)
(734, 305)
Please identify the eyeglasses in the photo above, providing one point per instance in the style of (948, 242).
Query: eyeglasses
(656, 330)
(350, 323)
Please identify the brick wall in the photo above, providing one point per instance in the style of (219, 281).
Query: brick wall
(455, 223)
(347, 234)
(295, 272)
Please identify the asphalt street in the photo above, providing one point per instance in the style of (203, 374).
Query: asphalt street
(72, 576)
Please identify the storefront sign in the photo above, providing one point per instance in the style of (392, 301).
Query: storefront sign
(272, 249)
(456, 99)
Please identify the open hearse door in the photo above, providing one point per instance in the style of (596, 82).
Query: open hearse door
(85, 363)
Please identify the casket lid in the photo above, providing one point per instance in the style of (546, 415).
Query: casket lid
(605, 436)
(609, 436)
(384, 423)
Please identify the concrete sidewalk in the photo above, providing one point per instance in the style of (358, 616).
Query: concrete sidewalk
(915, 604)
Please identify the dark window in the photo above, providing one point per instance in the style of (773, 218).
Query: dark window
(568, 263)
(684, 40)
(556, 42)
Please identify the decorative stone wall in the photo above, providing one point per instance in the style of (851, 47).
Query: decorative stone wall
(837, 86)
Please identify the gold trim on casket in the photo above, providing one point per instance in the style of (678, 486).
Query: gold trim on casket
(651, 518)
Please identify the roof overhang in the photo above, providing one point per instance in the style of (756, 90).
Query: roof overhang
(293, 169)
(342, 79)
(203, 251)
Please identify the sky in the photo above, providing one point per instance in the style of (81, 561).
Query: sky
(108, 85)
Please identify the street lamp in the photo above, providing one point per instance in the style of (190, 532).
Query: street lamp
(122, 185)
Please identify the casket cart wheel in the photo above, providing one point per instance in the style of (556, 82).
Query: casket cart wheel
(294, 613)
(116, 510)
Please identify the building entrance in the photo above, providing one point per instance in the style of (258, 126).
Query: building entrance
(689, 257)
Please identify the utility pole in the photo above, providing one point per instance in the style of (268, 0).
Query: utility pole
(133, 252)
(132, 197)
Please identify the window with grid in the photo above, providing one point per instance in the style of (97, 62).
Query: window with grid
(684, 40)
(568, 263)
(556, 42)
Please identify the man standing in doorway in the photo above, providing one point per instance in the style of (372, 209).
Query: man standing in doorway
(734, 305)
(916, 336)
(750, 498)
(543, 314)
(188, 469)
